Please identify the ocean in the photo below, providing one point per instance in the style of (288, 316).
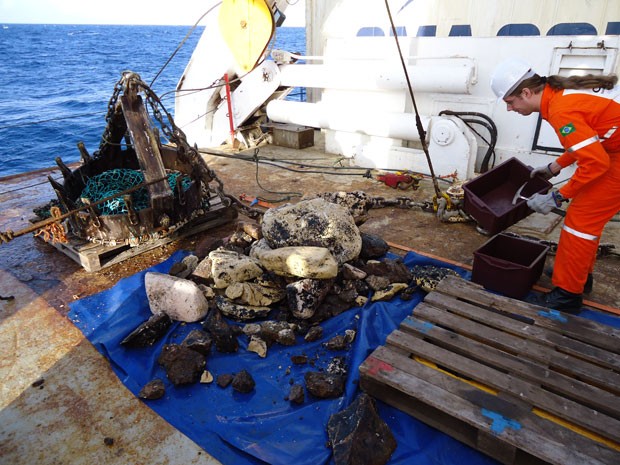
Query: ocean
(56, 82)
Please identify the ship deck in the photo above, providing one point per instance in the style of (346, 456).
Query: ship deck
(61, 402)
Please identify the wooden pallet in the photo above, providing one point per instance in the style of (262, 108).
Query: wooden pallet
(523, 384)
(94, 257)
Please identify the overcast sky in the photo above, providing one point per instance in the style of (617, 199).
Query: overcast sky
(181, 12)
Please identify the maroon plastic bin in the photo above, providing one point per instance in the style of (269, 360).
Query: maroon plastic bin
(509, 265)
(488, 198)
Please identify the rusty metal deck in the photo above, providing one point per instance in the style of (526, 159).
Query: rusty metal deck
(60, 400)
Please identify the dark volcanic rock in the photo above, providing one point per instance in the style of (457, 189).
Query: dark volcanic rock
(286, 337)
(154, 389)
(270, 331)
(198, 340)
(358, 435)
(304, 296)
(224, 336)
(361, 287)
(324, 385)
(395, 270)
(182, 364)
(177, 268)
(407, 294)
(348, 291)
(337, 366)
(148, 332)
(377, 283)
(314, 333)
(296, 394)
(224, 380)
(373, 246)
(299, 359)
(332, 306)
(243, 382)
(240, 312)
(206, 245)
(336, 343)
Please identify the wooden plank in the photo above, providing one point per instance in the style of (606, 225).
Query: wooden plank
(147, 151)
(582, 329)
(532, 349)
(466, 352)
(558, 382)
(82, 252)
(536, 396)
(528, 328)
(508, 422)
(94, 257)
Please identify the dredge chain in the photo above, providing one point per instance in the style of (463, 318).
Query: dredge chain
(399, 202)
(186, 152)
(118, 87)
(7, 236)
(177, 136)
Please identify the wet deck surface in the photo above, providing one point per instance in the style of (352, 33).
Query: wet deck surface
(77, 402)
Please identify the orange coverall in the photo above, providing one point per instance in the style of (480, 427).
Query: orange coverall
(588, 126)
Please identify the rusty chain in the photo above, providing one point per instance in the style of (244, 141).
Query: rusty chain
(53, 231)
(400, 202)
(191, 154)
(118, 87)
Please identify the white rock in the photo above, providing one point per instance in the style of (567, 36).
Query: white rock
(301, 262)
(180, 299)
(388, 292)
(314, 222)
(206, 377)
(228, 267)
(258, 345)
(254, 294)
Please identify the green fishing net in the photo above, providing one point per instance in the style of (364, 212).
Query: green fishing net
(111, 182)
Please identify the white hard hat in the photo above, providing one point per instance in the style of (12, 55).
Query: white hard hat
(508, 75)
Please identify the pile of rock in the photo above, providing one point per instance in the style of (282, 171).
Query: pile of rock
(303, 264)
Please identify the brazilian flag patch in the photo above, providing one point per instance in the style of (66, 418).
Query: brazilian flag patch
(566, 130)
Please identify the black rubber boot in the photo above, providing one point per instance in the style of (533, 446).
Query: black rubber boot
(558, 299)
(587, 287)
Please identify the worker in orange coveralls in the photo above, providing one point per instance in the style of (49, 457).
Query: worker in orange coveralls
(585, 113)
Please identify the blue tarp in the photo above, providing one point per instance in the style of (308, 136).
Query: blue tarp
(262, 427)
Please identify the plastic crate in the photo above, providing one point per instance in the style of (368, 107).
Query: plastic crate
(509, 265)
(488, 198)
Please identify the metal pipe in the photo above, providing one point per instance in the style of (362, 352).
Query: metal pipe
(324, 116)
(444, 78)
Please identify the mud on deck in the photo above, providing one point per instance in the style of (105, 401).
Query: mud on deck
(523, 384)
